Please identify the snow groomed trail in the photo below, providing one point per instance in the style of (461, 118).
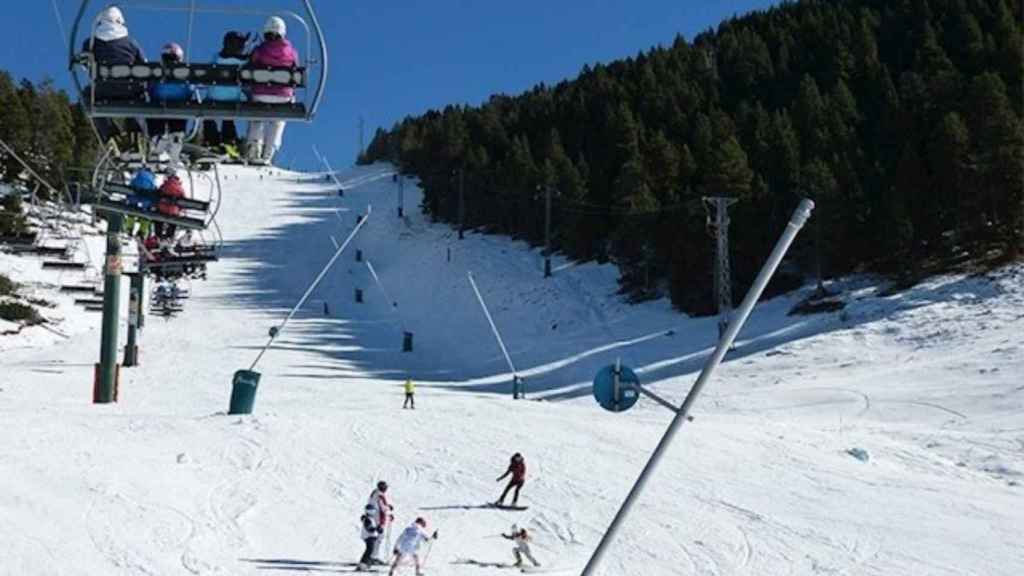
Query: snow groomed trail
(928, 384)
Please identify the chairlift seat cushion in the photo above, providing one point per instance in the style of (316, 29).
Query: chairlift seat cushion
(201, 74)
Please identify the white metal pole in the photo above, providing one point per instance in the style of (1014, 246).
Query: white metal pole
(277, 330)
(797, 221)
(493, 327)
(380, 285)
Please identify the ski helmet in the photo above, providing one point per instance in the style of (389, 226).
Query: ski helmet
(421, 522)
(382, 486)
(234, 43)
(276, 25)
(172, 187)
(173, 50)
(112, 15)
(144, 180)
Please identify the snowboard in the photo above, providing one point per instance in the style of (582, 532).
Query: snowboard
(506, 507)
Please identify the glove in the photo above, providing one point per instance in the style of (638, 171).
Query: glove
(435, 535)
(380, 529)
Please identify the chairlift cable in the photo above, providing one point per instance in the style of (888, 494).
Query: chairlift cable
(60, 24)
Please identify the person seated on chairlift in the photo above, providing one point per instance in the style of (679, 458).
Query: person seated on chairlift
(171, 189)
(151, 246)
(111, 45)
(167, 92)
(225, 136)
(265, 137)
(187, 243)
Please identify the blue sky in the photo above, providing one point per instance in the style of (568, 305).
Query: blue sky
(393, 59)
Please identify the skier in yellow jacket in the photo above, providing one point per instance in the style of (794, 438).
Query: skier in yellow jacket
(410, 390)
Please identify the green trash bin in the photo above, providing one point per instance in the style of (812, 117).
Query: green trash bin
(243, 391)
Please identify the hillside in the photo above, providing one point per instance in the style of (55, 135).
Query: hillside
(925, 382)
(902, 120)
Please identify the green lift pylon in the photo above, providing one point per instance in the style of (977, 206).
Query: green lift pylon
(107, 371)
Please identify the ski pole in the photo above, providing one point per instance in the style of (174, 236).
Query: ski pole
(430, 547)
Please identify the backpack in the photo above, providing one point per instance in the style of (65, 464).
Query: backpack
(234, 45)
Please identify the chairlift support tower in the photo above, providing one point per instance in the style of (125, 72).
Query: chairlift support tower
(718, 224)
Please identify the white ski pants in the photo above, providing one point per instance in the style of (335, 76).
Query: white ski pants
(521, 550)
(265, 136)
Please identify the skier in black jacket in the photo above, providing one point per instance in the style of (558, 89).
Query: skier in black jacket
(111, 45)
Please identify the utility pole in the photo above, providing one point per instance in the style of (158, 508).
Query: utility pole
(105, 385)
(718, 222)
(401, 195)
(547, 231)
(362, 125)
(462, 204)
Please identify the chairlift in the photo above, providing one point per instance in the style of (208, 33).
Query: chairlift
(200, 74)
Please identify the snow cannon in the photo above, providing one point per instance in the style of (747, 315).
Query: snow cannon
(243, 391)
(616, 388)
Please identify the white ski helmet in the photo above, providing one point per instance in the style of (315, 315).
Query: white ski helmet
(112, 14)
(276, 25)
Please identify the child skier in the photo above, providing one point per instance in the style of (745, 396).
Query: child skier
(517, 468)
(521, 539)
(371, 533)
(409, 544)
(160, 130)
(383, 509)
(232, 53)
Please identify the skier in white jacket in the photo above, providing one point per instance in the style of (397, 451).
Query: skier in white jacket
(409, 544)
(522, 540)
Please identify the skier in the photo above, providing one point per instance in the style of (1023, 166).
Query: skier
(410, 390)
(265, 137)
(232, 53)
(383, 508)
(521, 539)
(409, 544)
(370, 534)
(163, 130)
(170, 190)
(517, 468)
(111, 45)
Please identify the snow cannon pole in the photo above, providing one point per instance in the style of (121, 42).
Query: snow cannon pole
(275, 331)
(327, 165)
(796, 222)
(497, 336)
(376, 279)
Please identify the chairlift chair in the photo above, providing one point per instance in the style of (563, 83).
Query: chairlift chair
(204, 74)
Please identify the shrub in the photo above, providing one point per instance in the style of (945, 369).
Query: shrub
(7, 286)
(17, 312)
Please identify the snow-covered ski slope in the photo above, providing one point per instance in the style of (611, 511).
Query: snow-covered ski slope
(929, 383)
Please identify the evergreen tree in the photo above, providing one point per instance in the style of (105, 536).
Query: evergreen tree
(14, 126)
